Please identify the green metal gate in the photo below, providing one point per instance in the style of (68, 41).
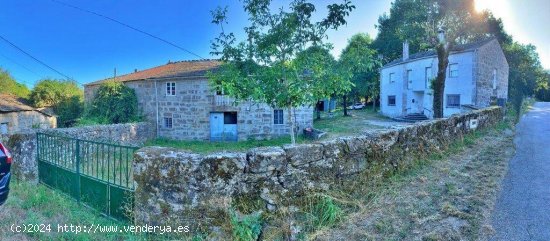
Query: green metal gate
(94, 173)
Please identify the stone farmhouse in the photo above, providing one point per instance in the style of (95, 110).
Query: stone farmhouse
(177, 97)
(16, 116)
(477, 77)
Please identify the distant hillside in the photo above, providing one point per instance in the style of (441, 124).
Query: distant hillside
(8, 85)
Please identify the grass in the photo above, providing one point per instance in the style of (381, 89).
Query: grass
(358, 121)
(209, 147)
(31, 204)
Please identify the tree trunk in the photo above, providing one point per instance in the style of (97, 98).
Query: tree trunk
(373, 104)
(292, 125)
(345, 105)
(439, 83)
(318, 109)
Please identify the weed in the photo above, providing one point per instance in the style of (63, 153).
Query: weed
(246, 227)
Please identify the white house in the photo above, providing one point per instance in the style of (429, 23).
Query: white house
(477, 76)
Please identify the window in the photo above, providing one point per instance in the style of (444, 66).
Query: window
(391, 100)
(453, 101)
(392, 78)
(170, 89)
(278, 117)
(495, 79)
(453, 70)
(409, 79)
(4, 128)
(428, 78)
(230, 118)
(168, 122)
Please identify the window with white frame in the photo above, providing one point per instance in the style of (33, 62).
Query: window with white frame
(428, 77)
(391, 100)
(453, 101)
(168, 122)
(392, 77)
(171, 89)
(494, 79)
(278, 117)
(453, 70)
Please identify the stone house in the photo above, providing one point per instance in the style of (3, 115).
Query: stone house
(16, 116)
(177, 97)
(477, 76)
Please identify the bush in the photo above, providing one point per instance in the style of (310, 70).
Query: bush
(114, 103)
(68, 111)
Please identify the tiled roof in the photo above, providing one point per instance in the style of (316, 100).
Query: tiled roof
(12, 103)
(191, 68)
(432, 53)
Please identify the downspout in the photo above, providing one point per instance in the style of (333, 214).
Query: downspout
(157, 104)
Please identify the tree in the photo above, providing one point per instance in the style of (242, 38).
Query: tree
(8, 85)
(114, 103)
(357, 62)
(64, 96)
(50, 92)
(265, 68)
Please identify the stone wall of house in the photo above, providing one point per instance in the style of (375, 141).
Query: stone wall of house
(489, 58)
(23, 144)
(178, 187)
(190, 110)
(26, 120)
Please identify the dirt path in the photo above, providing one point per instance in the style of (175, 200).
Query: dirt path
(523, 207)
(447, 199)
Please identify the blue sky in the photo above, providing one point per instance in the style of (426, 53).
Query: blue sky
(87, 48)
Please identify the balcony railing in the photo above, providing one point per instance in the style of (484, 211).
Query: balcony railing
(223, 100)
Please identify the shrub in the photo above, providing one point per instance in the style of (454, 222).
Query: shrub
(115, 103)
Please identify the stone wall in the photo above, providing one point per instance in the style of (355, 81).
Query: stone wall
(23, 144)
(133, 134)
(26, 120)
(489, 58)
(175, 186)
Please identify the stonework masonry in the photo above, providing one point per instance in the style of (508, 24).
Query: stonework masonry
(174, 186)
(194, 101)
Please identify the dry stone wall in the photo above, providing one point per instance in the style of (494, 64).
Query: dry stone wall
(174, 186)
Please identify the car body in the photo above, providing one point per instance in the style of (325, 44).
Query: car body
(356, 106)
(5, 175)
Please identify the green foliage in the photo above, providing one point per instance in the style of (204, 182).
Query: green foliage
(68, 111)
(246, 227)
(50, 92)
(324, 212)
(114, 103)
(283, 61)
(359, 64)
(8, 85)
(64, 96)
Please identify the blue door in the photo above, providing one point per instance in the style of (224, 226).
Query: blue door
(223, 126)
(216, 126)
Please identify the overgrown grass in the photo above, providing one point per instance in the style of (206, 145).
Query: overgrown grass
(36, 204)
(209, 147)
(246, 227)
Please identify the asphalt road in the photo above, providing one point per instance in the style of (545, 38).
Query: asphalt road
(522, 211)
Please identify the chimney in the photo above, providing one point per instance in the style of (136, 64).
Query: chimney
(441, 35)
(405, 50)
(135, 70)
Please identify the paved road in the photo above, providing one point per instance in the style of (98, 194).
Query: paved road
(522, 211)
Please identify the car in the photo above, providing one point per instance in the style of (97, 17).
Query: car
(5, 175)
(356, 106)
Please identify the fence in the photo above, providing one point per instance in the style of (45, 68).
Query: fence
(97, 174)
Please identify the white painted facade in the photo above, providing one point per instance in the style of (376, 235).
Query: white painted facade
(408, 82)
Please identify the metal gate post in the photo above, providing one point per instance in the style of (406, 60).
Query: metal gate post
(77, 158)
